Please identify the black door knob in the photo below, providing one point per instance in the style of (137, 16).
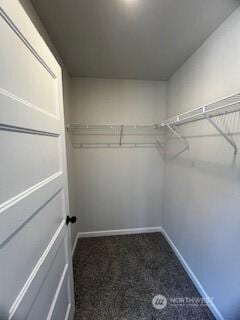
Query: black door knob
(71, 219)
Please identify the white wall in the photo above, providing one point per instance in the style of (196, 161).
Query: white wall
(202, 187)
(117, 188)
(28, 7)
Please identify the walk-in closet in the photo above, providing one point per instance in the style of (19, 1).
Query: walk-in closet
(120, 160)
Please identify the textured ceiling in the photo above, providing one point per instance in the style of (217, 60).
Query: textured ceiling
(131, 39)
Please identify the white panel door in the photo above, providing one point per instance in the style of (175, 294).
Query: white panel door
(36, 280)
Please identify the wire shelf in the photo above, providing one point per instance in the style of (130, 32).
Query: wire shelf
(136, 135)
(207, 112)
(115, 135)
(221, 107)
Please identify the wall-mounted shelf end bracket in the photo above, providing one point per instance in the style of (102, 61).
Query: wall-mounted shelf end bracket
(225, 136)
(173, 129)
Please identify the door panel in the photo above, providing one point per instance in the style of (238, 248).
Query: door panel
(62, 310)
(36, 157)
(25, 300)
(34, 119)
(35, 257)
(35, 84)
(45, 296)
(16, 212)
(15, 277)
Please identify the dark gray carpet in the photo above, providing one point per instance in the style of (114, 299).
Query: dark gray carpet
(117, 277)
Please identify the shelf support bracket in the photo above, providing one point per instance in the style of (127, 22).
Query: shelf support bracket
(175, 133)
(121, 136)
(225, 136)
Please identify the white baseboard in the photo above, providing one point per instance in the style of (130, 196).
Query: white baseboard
(190, 273)
(194, 279)
(118, 232)
(105, 233)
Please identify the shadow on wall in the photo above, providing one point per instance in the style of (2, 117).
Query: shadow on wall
(209, 168)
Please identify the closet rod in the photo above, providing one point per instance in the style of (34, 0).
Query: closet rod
(111, 126)
(112, 134)
(114, 145)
